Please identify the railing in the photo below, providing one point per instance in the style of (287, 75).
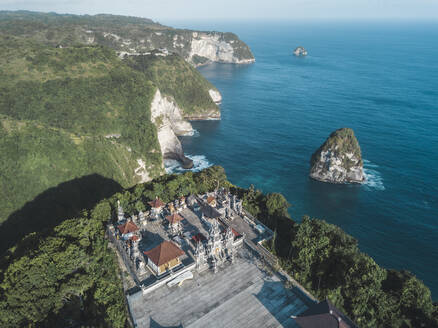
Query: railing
(122, 252)
(272, 260)
(257, 221)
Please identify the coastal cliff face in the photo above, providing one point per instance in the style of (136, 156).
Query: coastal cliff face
(215, 96)
(196, 97)
(82, 110)
(218, 47)
(339, 159)
(167, 117)
(127, 35)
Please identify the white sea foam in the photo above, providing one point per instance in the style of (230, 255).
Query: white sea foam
(373, 178)
(193, 133)
(368, 164)
(200, 162)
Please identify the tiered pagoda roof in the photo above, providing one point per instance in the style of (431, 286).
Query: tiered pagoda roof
(174, 218)
(128, 227)
(156, 203)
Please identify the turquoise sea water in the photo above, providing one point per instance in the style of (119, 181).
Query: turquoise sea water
(379, 79)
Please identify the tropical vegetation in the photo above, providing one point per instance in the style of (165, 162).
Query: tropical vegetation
(68, 274)
(121, 33)
(69, 112)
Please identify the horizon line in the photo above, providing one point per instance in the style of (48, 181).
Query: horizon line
(430, 19)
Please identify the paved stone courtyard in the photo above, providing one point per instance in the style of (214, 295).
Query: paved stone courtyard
(240, 295)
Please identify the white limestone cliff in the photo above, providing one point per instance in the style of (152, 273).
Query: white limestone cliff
(167, 117)
(198, 48)
(215, 96)
(211, 47)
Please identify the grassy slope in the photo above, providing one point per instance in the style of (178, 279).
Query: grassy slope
(35, 157)
(68, 29)
(176, 78)
(57, 105)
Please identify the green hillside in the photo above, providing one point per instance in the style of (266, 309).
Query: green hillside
(59, 108)
(83, 89)
(35, 157)
(177, 78)
(67, 29)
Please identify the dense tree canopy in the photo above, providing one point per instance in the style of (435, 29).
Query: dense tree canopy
(63, 276)
(67, 275)
(177, 78)
(69, 112)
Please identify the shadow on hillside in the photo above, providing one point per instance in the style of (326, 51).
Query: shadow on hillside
(55, 205)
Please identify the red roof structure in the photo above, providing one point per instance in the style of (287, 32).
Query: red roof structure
(235, 233)
(174, 218)
(164, 253)
(128, 227)
(134, 238)
(198, 237)
(156, 203)
(210, 199)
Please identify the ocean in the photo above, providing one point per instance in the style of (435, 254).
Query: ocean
(381, 80)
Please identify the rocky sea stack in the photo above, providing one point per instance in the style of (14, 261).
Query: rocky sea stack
(300, 51)
(339, 159)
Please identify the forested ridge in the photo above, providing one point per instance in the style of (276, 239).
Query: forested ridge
(73, 111)
(179, 79)
(121, 33)
(57, 107)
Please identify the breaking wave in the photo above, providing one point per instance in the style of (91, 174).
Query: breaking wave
(193, 133)
(373, 178)
(200, 162)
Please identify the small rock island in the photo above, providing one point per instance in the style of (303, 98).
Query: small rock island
(339, 159)
(300, 51)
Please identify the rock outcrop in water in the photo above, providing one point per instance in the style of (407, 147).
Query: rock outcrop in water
(339, 159)
(300, 51)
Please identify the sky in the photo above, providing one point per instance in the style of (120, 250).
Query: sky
(162, 10)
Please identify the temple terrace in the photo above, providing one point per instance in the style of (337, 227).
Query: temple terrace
(199, 261)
